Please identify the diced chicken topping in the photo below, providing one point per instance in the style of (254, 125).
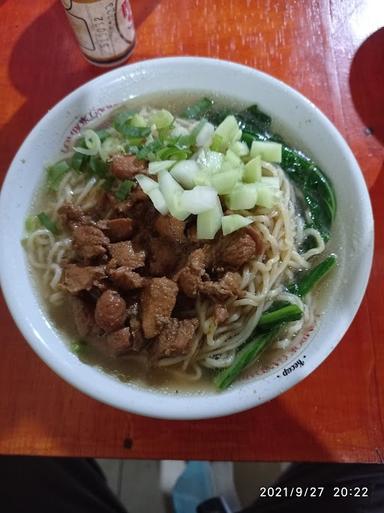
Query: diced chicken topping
(190, 277)
(76, 278)
(139, 341)
(164, 257)
(220, 314)
(119, 343)
(84, 317)
(72, 215)
(134, 275)
(235, 250)
(117, 229)
(89, 242)
(170, 228)
(127, 166)
(223, 289)
(111, 311)
(175, 339)
(126, 279)
(158, 299)
(124, 254)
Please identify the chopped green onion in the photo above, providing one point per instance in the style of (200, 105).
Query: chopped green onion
(148, 151)
(138, 121)
(78, 161)
(78, 348)
(81, 142)
(198, 109)
(31, 224)
(103, 133)
(56, 173)
(130, 149)
(162, 118)
(92, 143)
(47, 222)
(184, 141)
(108, 182)
(135, 131)
(163, 134)
(110, 146)
(98, 167)
(121, 119)
(172, 153)
(124, 189)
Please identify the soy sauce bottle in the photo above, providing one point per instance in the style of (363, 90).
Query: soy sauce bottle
(103, 28)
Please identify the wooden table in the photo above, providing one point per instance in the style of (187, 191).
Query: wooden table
(337, 414)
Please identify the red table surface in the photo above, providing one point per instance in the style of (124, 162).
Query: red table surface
(337, 413)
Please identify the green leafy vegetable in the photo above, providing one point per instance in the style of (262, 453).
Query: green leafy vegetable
(198, 109)
(286, 313)
(252, 349)
(317, 190)
(124, 189)
(253, 119)
(310, 278)
(47, 222)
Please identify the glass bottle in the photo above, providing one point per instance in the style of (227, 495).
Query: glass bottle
(104, 29)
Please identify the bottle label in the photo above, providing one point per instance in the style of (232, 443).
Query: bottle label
(104, 28)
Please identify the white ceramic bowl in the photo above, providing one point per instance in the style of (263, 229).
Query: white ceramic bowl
(299, 119)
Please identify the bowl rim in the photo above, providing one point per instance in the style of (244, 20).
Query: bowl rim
(175, 408)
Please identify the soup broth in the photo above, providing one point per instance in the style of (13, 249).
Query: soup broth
(186, 376)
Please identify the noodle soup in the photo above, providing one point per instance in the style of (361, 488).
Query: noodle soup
(179, 246)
